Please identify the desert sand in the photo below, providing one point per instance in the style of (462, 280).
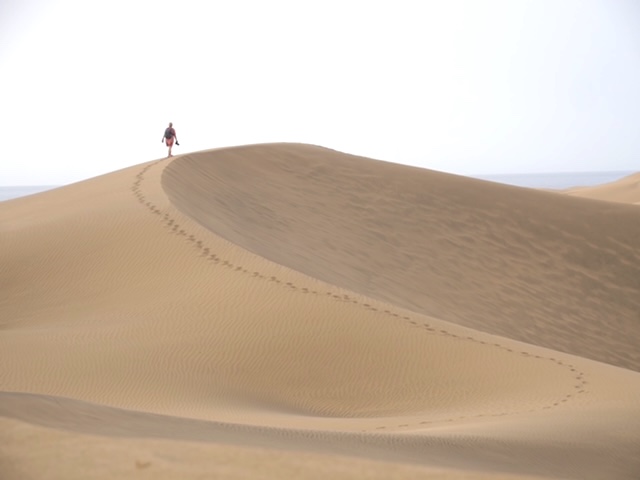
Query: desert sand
(289, 311)
(625, 190)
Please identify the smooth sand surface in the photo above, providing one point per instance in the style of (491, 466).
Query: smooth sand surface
(625, 190)
(288, 311)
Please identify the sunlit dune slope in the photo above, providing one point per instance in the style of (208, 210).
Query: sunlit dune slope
(539, 267)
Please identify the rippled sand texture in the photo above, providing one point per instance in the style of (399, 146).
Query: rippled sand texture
(285, 310)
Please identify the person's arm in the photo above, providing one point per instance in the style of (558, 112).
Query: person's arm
(175, 136)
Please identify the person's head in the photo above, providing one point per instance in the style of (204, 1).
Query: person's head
(170, 124)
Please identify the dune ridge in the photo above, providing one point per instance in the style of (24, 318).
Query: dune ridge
(464, 250)
(625, 190)
(130, 319)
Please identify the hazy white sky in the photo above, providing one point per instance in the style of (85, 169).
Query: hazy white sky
(465, 86)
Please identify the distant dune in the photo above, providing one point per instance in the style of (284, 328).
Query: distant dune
(289, 311)
(625, 190)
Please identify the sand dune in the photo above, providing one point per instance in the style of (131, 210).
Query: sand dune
(625, 190)
(515, 262)
(278, 311)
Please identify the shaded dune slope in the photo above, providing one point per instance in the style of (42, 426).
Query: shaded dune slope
(505, 448)
(546, 269)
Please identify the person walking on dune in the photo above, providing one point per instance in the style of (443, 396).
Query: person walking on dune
(170, 137)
